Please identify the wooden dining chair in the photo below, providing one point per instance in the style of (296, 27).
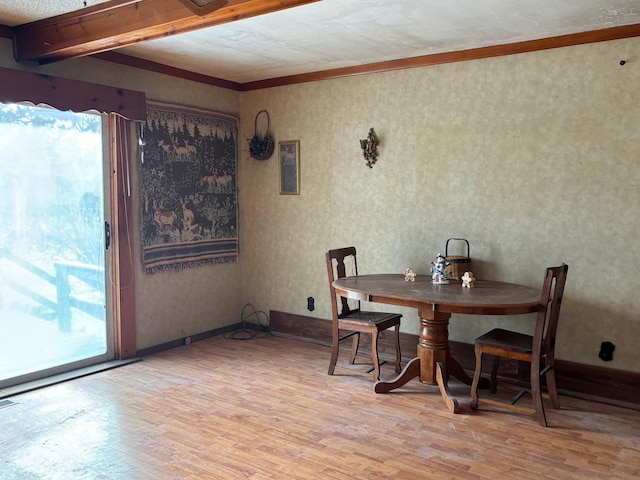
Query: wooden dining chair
(537, 349)
(350, 321)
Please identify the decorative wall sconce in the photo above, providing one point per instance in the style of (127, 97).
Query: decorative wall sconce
(369, 147)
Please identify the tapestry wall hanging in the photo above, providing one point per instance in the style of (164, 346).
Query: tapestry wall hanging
(188, 188)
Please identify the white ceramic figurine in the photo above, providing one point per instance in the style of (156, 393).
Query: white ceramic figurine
(439, 271)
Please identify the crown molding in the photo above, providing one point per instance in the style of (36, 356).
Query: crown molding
(614, 33)
(595, 36)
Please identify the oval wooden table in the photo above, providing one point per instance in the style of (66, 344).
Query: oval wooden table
(435, 303)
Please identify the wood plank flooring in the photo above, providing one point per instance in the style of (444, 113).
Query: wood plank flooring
(266, 409)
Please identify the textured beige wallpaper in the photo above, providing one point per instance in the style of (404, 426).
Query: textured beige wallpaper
(532, 158)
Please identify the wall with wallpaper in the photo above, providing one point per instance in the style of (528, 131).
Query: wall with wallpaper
(533, 158)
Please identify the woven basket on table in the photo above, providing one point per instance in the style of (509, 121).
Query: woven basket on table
(457, 264)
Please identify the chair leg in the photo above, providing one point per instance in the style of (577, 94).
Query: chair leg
(494, 374)
(476, 378)
(398, 354)
(550, 376)
(536, 393)
(374, 354)
(335, 346)
(354, 347)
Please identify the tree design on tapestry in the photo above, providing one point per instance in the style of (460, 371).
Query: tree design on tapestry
(188, 188)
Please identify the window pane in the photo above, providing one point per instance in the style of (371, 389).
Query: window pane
(52, 282)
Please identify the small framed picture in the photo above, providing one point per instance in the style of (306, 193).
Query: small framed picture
(289, 157)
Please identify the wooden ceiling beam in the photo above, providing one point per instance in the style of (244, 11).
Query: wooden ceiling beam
(118, 23)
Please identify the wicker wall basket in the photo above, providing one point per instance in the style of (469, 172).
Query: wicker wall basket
(457, 264)
(261, 146)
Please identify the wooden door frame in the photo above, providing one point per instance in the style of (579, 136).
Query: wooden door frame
(121, 131)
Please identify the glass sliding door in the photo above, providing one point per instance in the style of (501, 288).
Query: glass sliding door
(53, 303)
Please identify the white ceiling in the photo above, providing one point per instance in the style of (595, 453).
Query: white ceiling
(342, 33)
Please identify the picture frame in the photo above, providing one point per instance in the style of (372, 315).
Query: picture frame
(289, 162)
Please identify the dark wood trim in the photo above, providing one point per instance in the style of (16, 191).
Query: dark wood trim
(318, 330)
(614, 33)
(596, 383)
(151, 66)
(66, 94)
(6, 31)
(179, 342)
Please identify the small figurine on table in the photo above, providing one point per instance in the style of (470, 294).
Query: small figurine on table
(438, 271)
(468, 280)
(409, 275)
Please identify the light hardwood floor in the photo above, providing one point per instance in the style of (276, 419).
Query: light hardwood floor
(266, 409)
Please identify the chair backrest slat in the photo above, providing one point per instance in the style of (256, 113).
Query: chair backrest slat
(544, 337)
(337, 268)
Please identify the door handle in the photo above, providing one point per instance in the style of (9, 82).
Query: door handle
(107, 235)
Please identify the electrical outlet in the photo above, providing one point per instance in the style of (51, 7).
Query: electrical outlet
(606, 351)
(311, 304)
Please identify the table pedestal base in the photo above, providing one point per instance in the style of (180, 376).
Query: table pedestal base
(433, 365)
(412, 370)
